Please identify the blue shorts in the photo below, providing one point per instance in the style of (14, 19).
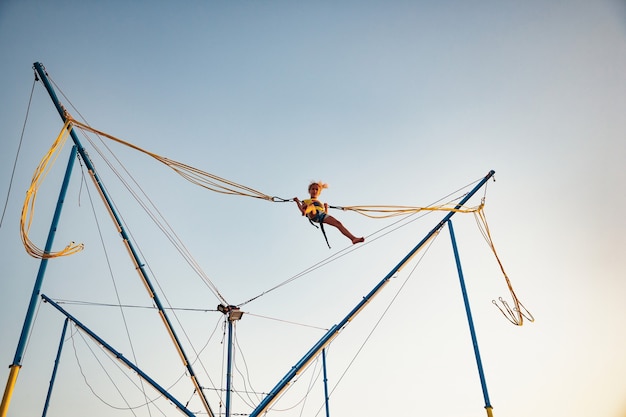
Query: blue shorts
(318, 217)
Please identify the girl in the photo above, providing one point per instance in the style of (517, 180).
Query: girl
(318, 212)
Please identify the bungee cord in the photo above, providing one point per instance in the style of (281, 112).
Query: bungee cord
(28, 209)
(393, 211)
(159, 220)
(518, 312)
(194, 175)
(221, 185)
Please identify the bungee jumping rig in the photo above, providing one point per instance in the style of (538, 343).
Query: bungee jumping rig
(232, 313)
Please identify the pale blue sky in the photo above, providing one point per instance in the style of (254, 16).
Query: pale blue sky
(390, 103)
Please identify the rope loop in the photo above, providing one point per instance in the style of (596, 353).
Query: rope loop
(28, 208)
(280, 200)
(518, 312)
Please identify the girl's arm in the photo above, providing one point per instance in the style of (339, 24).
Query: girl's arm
(301, 206)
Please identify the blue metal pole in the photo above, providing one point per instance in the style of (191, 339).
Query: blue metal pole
(30, 313)
(56, 367)
(229, 366)
(334, 330)
(470, 321)
(325, 383)
(139, 266)
(44, 262)
(119, 356)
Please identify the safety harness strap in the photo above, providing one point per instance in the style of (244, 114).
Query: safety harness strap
(323, 231)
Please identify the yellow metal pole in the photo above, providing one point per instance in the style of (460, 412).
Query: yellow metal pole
(489, 411)
(8, 391)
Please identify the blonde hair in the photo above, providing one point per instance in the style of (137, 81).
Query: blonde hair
(320, 184)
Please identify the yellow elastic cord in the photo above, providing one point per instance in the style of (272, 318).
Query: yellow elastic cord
(31, 195)
(194, 175)
(518, 312)
(381, 212)
(221, 185)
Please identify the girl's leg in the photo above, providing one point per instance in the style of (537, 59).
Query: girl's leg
(334, 222)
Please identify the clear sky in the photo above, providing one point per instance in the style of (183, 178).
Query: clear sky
(399, 102)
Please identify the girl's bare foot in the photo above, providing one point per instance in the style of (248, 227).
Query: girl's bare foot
(358, 240)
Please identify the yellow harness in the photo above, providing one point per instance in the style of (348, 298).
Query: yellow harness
(313, 208)
(316, 212)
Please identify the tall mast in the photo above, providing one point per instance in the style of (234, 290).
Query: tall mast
(470, 322)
